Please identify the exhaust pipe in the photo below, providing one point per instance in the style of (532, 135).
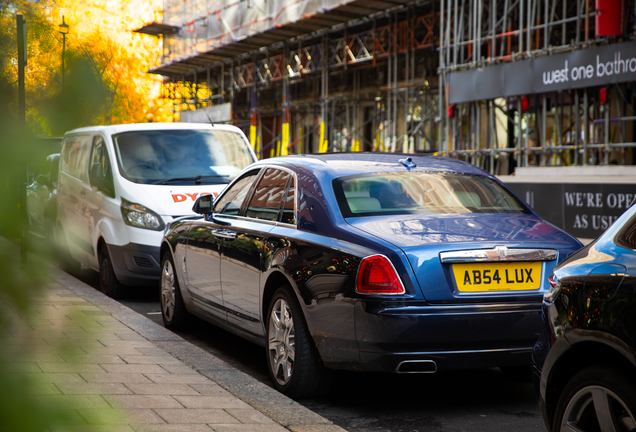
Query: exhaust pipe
(417, 366)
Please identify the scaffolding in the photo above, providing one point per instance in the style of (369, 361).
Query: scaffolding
(329, 76)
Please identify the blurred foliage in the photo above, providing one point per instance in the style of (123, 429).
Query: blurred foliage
(96, 91)
(101, 39)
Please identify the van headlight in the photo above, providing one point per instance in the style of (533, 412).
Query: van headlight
(139, 216)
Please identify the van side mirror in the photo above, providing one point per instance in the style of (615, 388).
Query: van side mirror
(203, 205)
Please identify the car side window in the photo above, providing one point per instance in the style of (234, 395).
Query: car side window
(44, 173)
(268, 198)
(100, 169)
(230, 202)
(289, 208)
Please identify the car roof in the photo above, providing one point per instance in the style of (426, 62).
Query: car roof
(113, 129)
(345, 164)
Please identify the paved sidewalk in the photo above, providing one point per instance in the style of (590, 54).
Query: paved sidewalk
(119, 371)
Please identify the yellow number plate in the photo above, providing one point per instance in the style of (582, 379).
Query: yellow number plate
(498, 276)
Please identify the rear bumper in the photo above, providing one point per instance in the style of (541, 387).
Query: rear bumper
(451, 337)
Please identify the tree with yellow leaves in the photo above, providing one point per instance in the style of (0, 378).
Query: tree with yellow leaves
(105, 63)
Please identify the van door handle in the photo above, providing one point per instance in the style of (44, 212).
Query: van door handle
(83, 193)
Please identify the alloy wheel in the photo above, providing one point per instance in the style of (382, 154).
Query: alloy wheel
(596, 406)
(167, 290)
(282, 344)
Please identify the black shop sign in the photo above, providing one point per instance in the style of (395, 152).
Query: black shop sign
(582, 210)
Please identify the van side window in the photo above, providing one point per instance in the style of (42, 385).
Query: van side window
(75, 156)
(101, 175)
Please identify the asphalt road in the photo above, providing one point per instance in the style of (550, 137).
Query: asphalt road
(470, 400)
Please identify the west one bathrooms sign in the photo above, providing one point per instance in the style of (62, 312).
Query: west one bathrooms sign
(607, 64)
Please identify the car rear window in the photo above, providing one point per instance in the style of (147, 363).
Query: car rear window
(423, 192)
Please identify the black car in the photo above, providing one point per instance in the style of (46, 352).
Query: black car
(41, 198)
(366, 262)
(584, 363)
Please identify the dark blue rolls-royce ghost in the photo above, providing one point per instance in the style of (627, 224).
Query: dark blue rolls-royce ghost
(366, 262)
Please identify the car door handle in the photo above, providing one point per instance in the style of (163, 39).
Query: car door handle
(225, 235)
(83, 193)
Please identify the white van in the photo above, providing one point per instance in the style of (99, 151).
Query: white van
(120, 185)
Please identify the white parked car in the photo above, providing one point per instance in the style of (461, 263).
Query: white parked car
(120, 185)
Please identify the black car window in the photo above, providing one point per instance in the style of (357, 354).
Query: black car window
(44, 173)
(626, 237)
(231, 201)
(268, 198)
(289, 213)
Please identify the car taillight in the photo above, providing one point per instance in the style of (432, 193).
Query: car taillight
(377, 276)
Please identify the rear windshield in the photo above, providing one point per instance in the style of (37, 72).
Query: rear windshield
(181, 156)
(423, 193)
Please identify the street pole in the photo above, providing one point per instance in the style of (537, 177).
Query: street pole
(64, 30)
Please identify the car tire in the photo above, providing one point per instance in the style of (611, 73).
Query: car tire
(173, 311)
(594, 390)
(65, 261)
(108, 283)
(294, 363)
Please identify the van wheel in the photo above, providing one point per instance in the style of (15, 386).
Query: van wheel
(108, 283)
(295, 366)
(173, 311)
(65, 260)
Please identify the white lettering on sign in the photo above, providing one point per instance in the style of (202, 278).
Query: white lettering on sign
(556, 76)
(600, 69)
(597, 200)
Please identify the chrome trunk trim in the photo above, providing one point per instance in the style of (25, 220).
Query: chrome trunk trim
(498, 253)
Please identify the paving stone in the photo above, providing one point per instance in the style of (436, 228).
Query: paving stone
(168, 378)
(211, 389)
(210, 416)
(124, 378)
(70, 367)
(152, 351)
(212, 402)
(146, 359)
(251, 415)
(93, 388)
(64, 377)
(174, 428)
(163, 389)
(143, 401)
(249, 428)
(178, 369)
(94, 358)
(119, 416)
(75, 401)
(128, 368)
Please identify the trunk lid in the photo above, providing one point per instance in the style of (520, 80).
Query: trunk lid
(475, 248)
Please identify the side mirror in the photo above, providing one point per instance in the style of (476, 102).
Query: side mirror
(203, 205)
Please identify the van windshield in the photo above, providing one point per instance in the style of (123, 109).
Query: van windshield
(181, 156)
